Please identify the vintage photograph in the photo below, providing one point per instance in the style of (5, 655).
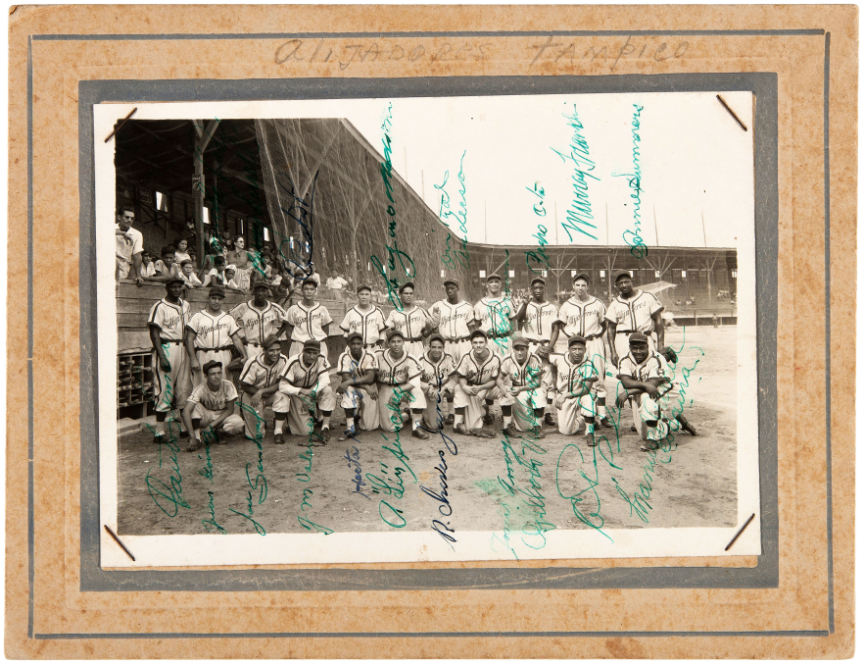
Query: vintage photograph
(443, 328)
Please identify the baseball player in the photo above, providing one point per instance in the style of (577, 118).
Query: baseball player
(398, 383)
(537, 318)
(259, 383)
(210, 336)
(167, 323)
(365, 319)
(476, 387)
(520, 382)
(129, 246)
(646, 381)
(412, 321)
(585, 315)
(436, 369)
(309, 320)
(306, 383)
(495, 314)
(632, 311)
(454, 318)
(211, 407)
(576, 376)
(358, 392)
(260, 320)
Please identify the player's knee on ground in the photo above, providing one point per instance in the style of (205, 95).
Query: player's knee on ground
(233, 425)
(281, 403)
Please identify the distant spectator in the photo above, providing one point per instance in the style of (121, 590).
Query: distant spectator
(180, 254)
(148, 269)
(166, 268)
(216, 276)
(240, 259)
(337, 282)
(129, 245)
(231, 280)
(189, 277)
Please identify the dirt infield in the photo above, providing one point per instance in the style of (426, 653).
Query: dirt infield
(378, 482)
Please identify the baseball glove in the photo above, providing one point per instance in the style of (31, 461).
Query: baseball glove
(670, 355)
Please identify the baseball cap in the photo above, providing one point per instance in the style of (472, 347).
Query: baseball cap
(352, 336)
(520, 341)
(217, 291)
(312, 344)
(575, 339)
(638, 338)
(451, 281)
(538, 280)
(491, 277)
(621, 275)
(174, 280)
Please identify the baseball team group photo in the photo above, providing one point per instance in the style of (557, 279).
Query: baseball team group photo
(393, 321)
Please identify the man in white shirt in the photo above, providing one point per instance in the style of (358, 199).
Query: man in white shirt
(210, 336)
(365, 319)
(309, 320)
(632, 311)
(455, 321)
(129, 246)
(412, 322)
(496, 315)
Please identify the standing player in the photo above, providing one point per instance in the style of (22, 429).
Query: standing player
(520, 381)
(357, 391)
(260, 320)
(259, 383)
(365, 319)
(167, 323)
(436, 368)
(454, 318)
(309, 321)
(575, 401)
(412, 322)
(585, 315)
(398, 383)
(211, 407)
(537, 318)
(476, 388)
(632, 311)
(495, 314)
(306, 383)
(210, 336)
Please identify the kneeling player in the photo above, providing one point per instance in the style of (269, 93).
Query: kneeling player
(644, 380)
(357, 391)
(211, 408)
(520, 381)
(576, 400)
(259, 382)
(398, 384)
(436, 368)
(306, 383)
(476, 387)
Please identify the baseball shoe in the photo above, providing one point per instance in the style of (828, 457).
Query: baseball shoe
(348, 433)
(279, 438)
(159, 438)
(461, 428)
(549, 419)
(511, 430)
(449, 419)
(590, 440)
(325, 435)
(537, 432)
(482, 433)
(419, 433)
(649, 445)
(605, 422)
(686, 426)
(487, 418)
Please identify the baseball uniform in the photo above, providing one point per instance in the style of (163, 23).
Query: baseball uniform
(434, 378)
(453, 326)
(570, 384)
(586, 319)
(257, 324)
(213, 341)
(259, 374)
(530, 372)
(368, 324)
(357, 397)
(173, 386)
(308, 323)
(476, 372)
(495, 316)
(392, 371)
(633, 315)
(209, 406)
(302, 409)
(410, 323)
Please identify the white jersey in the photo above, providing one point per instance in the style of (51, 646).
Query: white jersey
(308, 322)
(171, 319)
(221, 399)
(368, 324)
(453, 319)
(409, 322)
(634, 315)
(539, 318)
(582, 318)
(258, 324)
(569, 377)
(495, 314)
(213, 331)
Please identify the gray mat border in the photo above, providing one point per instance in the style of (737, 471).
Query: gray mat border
(768, 518)
(763, 86)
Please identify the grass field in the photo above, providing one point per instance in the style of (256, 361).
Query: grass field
(357, 484)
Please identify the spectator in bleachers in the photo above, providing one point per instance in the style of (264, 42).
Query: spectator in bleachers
(166, 268)
(181, 252)
(231, 280)
(239, 258)
(216, 276)
(148, 269)
(129, 245)
(188, 274)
